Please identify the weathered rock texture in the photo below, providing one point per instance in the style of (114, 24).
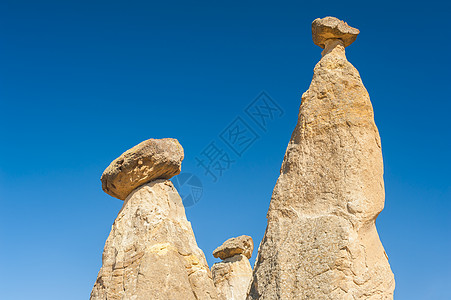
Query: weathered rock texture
(332, 28)
(147, 161)
(321, 241)
(239, 245)
(151, 252)
(233, 275)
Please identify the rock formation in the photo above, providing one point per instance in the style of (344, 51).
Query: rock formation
(147, 161)
(233, 274)
(151, 252)
(321, 241)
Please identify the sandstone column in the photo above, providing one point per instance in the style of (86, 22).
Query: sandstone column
(233, 274)
(151, 252)
(321, 241)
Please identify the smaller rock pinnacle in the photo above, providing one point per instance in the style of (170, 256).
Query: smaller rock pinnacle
(233, 274)
(234, 246)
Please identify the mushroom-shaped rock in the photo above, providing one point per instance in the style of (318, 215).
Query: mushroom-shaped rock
(150, 160)
(234, 246)
(332, 28)
(319, 246)
(233, 274)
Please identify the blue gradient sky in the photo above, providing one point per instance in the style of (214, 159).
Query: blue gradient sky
(82, 81)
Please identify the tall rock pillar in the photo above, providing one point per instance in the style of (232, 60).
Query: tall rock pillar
(321, 240)
(151, 252)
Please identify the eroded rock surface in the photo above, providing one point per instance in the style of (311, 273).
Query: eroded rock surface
(321, 241)
(147, 161)
(151, 252)
(233, 246)
(332, 28)
(233, 275)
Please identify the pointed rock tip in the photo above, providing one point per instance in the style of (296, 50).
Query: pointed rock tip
(149, 160)
(332, 28)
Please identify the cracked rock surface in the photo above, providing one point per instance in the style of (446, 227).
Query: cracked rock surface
(242, 244)
(232, 277)
(151, 252)
(321, 240)
(233, 274)
(332, 28)
(149, 160)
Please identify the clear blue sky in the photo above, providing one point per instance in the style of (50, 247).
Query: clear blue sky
(82, 81)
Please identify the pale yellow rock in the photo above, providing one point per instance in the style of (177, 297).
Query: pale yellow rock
(151, 252)
(232, 277)
(321, 241)
(332, 28)
(233, 246)
(147, 161)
